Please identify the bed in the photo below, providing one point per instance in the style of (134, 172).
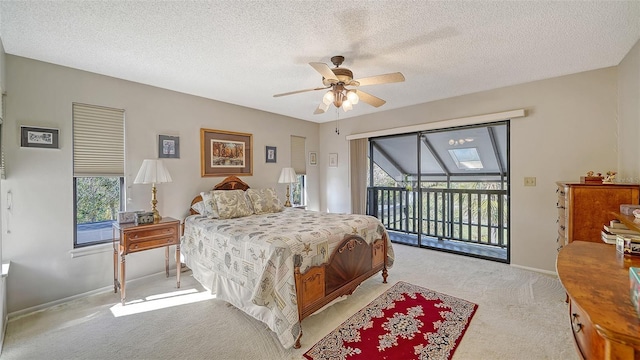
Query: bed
(279, 266)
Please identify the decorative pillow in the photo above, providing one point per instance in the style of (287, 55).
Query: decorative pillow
(231, 204)
(264, 201)
(199, 207)
(210, 208)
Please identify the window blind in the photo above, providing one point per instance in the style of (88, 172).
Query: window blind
(98, 141)
(298, 152)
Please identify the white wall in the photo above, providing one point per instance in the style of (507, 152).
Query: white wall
(3, 280)
(570, 128)
(629, 115)
(40, 225)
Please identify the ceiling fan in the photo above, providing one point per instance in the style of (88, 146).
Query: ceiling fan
(338, 79)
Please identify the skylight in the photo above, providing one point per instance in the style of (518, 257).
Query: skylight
(466, 159)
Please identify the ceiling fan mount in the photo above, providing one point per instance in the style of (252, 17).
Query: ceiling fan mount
(336, 80)
(337, 60)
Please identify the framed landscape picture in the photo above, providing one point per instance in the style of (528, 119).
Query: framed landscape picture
(224, 153)
(168, 147)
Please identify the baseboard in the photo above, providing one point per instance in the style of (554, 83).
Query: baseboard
(546, 272)
(28, 311)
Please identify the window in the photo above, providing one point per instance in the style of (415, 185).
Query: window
(97, 202)
(466, 159)
(299, 164)
(98, 172)
(298, 196)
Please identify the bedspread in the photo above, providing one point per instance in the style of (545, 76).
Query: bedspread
(257, 253)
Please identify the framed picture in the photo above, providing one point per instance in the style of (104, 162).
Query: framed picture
(313, 158)
(224, 153)
(270, 154)
(34, 137)
(333, 160)
(168, 147)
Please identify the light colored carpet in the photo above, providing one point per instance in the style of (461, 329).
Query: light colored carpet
(521, 315)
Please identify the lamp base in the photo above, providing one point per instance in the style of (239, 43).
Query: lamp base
(156, 216)
(287, 203)
(154, 201)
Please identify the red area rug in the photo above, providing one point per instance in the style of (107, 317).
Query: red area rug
(405, 322)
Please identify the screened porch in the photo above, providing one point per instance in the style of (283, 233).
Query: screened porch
(445, 189)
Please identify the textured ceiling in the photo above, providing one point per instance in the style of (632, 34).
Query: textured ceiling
(244, 52)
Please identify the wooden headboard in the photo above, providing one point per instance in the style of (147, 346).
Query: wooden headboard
(229, 183)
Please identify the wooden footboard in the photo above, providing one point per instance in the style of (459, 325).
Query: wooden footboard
(352, 262)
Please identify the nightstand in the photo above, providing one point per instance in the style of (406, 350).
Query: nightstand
(132, 238)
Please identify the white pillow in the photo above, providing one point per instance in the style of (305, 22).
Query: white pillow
(210, 207)
(264, 201)
(199, 207)
(232, 204)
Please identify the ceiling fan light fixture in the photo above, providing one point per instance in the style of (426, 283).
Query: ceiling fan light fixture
(353, 97)
(328, 98)
(346, 105)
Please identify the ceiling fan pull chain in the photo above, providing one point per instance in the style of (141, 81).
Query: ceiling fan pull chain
(338, 121)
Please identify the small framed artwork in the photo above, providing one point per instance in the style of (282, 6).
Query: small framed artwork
(224, 153)
(313, 158)
(168, 147)
(34, 137)
(270, 154)
(333, 160)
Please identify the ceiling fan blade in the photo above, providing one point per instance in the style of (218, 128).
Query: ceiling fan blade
(324, 70)
(370, 99)
(380, 79)
(300, 91)
(321, 108)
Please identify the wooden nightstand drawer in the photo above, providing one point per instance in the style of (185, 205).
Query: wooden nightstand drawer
(150, 234)
(147, 243)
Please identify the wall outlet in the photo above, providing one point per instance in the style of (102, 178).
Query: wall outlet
(529, 181)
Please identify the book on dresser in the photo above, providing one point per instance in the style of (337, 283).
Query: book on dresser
(617, 224)
(617, 230)
(608, 237)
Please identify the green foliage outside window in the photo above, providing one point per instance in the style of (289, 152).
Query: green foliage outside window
(97, 199)
(297, 191)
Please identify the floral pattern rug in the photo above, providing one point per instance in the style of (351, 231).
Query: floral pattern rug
(405, 322)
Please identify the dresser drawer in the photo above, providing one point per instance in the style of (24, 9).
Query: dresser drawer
(589, 343)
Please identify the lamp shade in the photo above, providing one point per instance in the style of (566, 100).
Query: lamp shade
(152, 172)
(287, 176)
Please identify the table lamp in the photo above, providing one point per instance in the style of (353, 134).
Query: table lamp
(153, 172)
(288, 176)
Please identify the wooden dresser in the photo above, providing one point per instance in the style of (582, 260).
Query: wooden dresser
(595, 276)
(584, 208)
